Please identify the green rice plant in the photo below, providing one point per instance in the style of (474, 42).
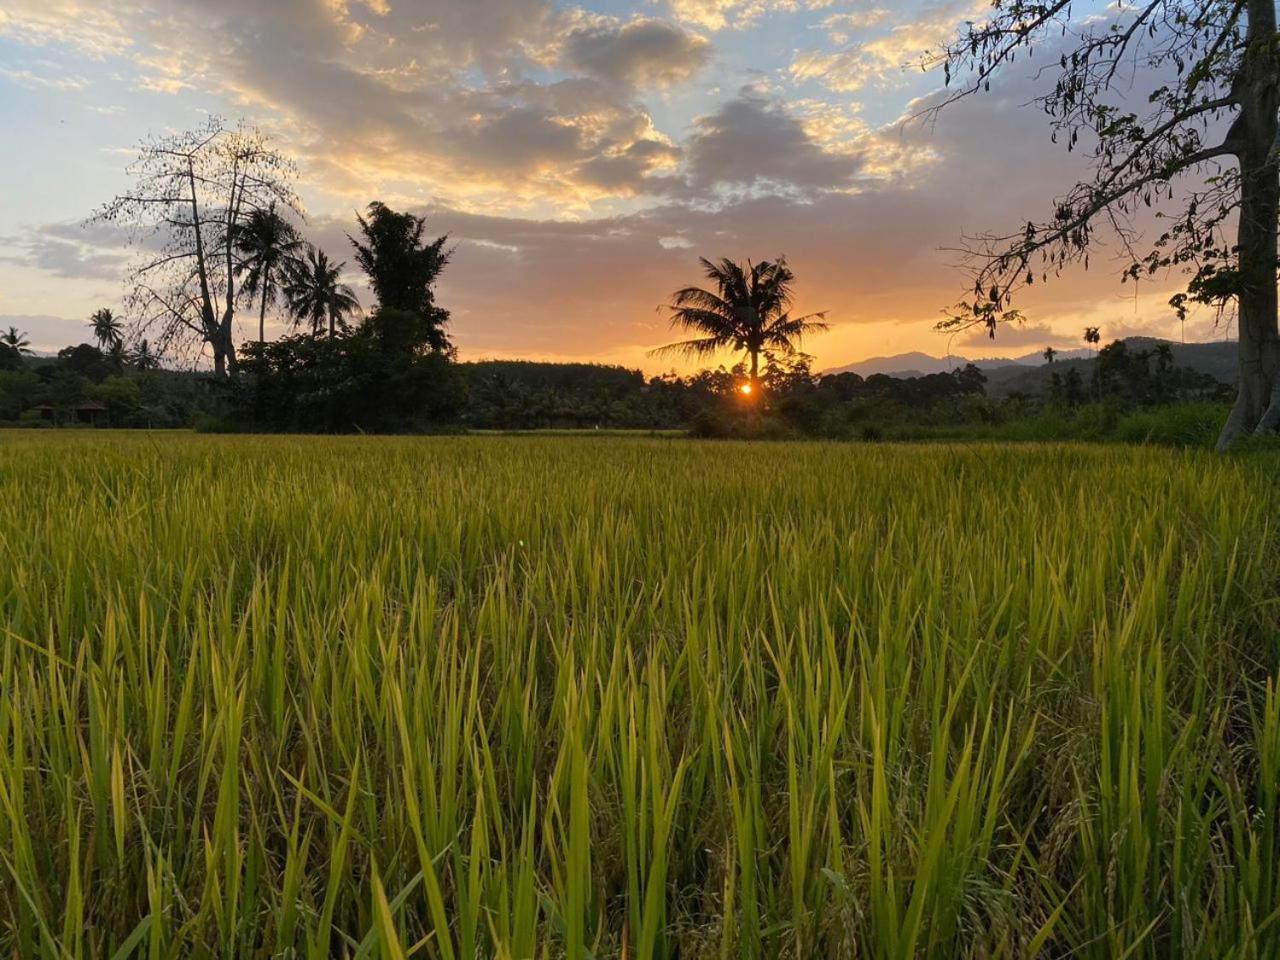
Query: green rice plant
(537, 697)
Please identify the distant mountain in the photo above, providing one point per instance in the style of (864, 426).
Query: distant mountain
(1030, 373)
(916, 364)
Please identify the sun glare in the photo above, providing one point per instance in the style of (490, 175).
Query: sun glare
(745, 388)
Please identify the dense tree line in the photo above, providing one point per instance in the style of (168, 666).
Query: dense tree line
(87, 385)
(391, 371)
(371, 378)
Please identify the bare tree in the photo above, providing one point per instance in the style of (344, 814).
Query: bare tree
(193, 192)
(1212, 72)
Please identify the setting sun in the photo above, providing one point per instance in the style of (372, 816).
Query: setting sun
(745, 388)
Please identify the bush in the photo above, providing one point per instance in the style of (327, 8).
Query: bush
(1182, 425)
(349, 384)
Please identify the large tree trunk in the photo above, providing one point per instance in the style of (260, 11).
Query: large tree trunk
(1253, 137)
(208, 321)
(228, 343)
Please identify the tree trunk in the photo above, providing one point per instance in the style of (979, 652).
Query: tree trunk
(262, 306)
(229, 347)
(207, 320)
(755, 369)
(1253, 138)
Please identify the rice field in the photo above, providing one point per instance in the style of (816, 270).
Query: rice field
(520, 697)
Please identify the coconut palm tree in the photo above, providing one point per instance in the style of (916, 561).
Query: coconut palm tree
(748, 311)
(1093, 337)
(314, 291)
(267, 243)
(143, 358)
(16, 340)
(107, 329)
(118, 356)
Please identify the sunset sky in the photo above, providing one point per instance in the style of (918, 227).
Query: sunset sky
(581, 156)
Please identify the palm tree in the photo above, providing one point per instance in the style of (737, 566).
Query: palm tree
(143, 358)
(107, 330)
(118, 355)
(15, 340)
(267, 244)
(749, 311)
(1049, 354)
(314, 291)
(1093, 338)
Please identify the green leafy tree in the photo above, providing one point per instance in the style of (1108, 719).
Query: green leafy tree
(403, 268)
(1210, 70)
(267, 244)
(315, 293)
(120, 395)
(748, 311)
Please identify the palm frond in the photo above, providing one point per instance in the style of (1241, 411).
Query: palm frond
(692, 318)
(698, 347)
(701, 299)
(786, 329)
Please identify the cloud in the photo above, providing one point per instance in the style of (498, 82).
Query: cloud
(451, 92)
(43, 75)
(1014, 335)
(95, 29)
(642, 53)
(883, 58)
(70, 251)
(639, 168)
(751, 140)
(738, 14)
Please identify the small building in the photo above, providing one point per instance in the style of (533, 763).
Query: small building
(89, 412)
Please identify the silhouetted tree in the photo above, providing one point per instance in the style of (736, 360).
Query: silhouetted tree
(1049, 354)
(971, 379)
(18, 341)
(749, 311)
(193, 193)
(85, 360)
(403, 268)
(267, 244)
(1213, 67)
(315, 293)
(1073, 388)
(1092, 337)
(353, 382)
(142, 357)
(107, 329)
